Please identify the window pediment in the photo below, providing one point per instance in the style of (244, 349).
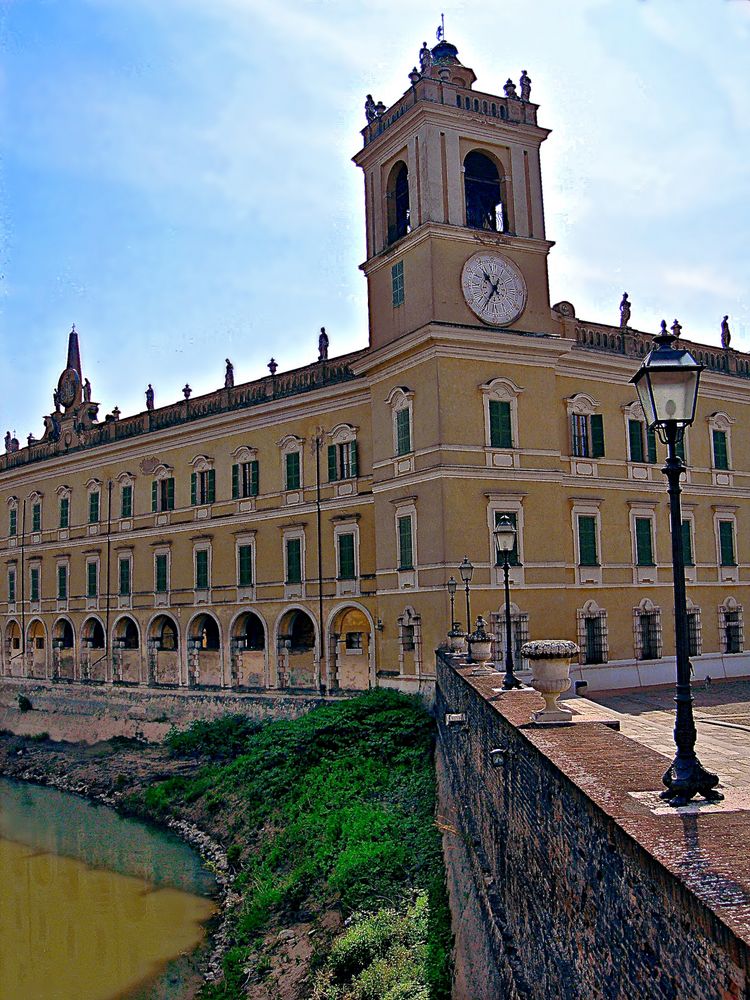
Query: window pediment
(94, 485)
(582, 404)
(291, 442)
(399, 396)
(501, 388)
(343, 433)
(245, 453)
(163, 471)
(125, 479)
(720, 420)
(64, 492)
(202, 463)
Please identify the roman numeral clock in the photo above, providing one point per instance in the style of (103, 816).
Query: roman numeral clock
(494, 288)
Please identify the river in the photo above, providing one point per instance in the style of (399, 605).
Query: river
(94, 906)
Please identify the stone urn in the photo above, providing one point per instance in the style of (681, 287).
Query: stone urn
(480, 648)
(457, 639)
(550, 666)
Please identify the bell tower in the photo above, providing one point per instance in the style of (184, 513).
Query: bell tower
(454, 210)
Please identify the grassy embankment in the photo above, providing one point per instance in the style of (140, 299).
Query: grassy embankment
(332, 812)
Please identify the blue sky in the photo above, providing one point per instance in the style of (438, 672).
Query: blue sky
(176, 175)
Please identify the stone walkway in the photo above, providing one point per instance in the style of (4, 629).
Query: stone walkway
(722, 716)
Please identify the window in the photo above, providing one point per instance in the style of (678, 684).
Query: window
(726, 543)
(500, 426)
(642, 442)
(201, 569)
(36, 516)
(64, 520)
(687, 543)
(62, 582)
(397, 201)
(408, 638)
(405, 543)
(403, 432)
(397, 284)
(587, 551)
(11, 585)
(203, 487)
(126, 501)
(13, 521)
(293, 470)
(353, 641)
(644, 548)
(34, 580)
(293, 560)
(647, 631)
(519, 632)
(513, 559)
(94, 507)
(245, 565)
(124, 573)
(346, 557)
(92, 579)
(695, 632)
(161, 572)
(245, 479)
(593, 634)
(731, 626)
(587, 435)
(720, 451)
(342, 461)
(484, 202)
(162, 494)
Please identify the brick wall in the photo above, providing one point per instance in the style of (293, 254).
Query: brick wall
(563, 884)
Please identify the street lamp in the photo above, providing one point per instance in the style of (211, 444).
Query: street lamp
(667, 384)
(505, 539)
(452, 584)
(466, 570)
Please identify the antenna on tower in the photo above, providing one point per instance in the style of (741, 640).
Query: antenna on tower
(440, 33)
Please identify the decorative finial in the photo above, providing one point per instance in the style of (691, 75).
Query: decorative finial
(380, 109)
(116, 412)
(272, 366)
(415, 76)
(186, 390)
(510, 89)
(624, 310)
(440, 33)
(525, 83)
(676, 329)
(726, 336)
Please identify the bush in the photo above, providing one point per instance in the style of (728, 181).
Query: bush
(39, 737)
(220, 739)
(24, 703)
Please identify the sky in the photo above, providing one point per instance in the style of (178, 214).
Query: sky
(176, 175)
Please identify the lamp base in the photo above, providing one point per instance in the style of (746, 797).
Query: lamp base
(511, 682)
(685, 779)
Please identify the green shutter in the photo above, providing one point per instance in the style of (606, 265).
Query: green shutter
(161, 573)
(293, 471)
(403, 432)
(643, 542)
(721, 456)
(235, 482)
(34, 584)
(346, 557)
(397, 283)
(680, 446)
(254, 478)
(126, 509)
(11, 585)
(13, 521)
(687, 544)
(597, 435)
(193, 489)
(64, 512)
(332, 475)
(154, 495)
(62, 583)
(354, 459)
(726, 543)
(124, 577)
(170, 493)
(246, 566)
(36, 517)
(93, 508)
(201, 569)
(500, 433)
(211, 486)
(405, 552)
(587, 555)
(91, 579)
(293, 560)
(651, 444)
(635, 436)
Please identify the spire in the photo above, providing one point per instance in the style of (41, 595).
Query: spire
(74, 355)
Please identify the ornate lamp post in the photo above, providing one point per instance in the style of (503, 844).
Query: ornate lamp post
(451, 585)
(505, 539)
(667, 384)
(466, 569)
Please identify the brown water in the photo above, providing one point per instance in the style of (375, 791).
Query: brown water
(92, 906)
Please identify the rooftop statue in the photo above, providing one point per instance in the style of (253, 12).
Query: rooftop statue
(624, 310)
(726, 336)
(323, 345)
(425, 58)
(525, 83)
(370, 114)
(229, 375)
(149, 398)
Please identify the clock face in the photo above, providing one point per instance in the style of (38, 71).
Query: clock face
(68, 386)
(494, 288)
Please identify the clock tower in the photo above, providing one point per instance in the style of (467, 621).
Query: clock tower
(454, 211)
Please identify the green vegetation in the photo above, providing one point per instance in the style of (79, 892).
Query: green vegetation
(24, 703)
(332, 811)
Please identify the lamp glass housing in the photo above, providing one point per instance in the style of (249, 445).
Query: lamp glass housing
(452, 585)
(505, 534)
(667, 385)
(466, 569)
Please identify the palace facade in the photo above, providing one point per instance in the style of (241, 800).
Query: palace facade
(297, 532)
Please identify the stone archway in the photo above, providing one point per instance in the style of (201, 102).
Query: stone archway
(248, 645)
(164, 651)
(36, 644)
(350, 636)
(297, 649)
(205, 661)
(63, 650)
(126, 651)
(93, 650)
(14, 666)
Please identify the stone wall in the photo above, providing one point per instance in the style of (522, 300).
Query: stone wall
(563, 883)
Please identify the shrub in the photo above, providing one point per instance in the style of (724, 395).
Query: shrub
(220, 739)
(39, 737)
(24, 703)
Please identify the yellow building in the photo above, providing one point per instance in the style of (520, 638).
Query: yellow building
(298, 531)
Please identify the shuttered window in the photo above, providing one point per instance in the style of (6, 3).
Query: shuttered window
(62, 583)
(11, 585)
(651, 444)
(34, 583)
(245, 565)
(644, 549)
(500, 430)
(201, 569)
(293, 471)
(36, 517)
(124, 577)
(93, 508)
(403, 432)
(346, 557)
(294, 560)
(64, 512)
(726, 543)
(12, 521)
(635, 436)
(587, 554)
(687, 544)
(126, 504)
(721, 454)
(405, 548)
(203, 487)
(245, 479)
(597, 435)
(160, 563)
(397, 283)
(92, 579)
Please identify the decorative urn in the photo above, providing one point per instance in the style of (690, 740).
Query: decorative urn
(550, 664)
(457, 639)
(480, 645)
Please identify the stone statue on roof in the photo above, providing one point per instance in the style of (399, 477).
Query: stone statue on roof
(229, 375)
(425, 58)
(370, 106)
(624, 310)
(726, 336)
(149, 398)
(86, 391)
(323, 345)
(525, 83)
